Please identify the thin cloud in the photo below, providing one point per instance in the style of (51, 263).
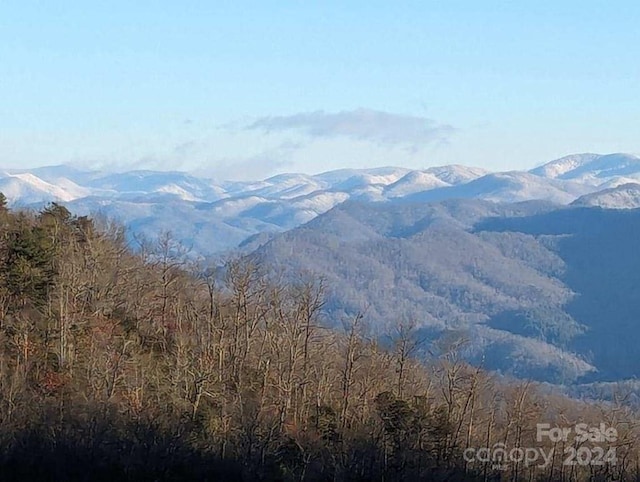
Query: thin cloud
(361, 124)
(254, 167)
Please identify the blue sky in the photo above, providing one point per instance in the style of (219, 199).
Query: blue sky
(249, 89)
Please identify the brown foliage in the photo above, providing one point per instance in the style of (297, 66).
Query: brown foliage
(129, 366)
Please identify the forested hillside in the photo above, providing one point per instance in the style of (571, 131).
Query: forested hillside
(123, 366)
(542, 291)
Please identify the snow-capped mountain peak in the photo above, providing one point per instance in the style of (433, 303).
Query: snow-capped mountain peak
(592, 169)
(414, 181)
(564, 165)
(26, 188)
(214, 216)
(457, 174)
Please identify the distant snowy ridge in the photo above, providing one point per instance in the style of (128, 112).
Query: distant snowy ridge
(214, 216)
(626, 196)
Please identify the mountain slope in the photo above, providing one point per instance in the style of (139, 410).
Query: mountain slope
(540, 291)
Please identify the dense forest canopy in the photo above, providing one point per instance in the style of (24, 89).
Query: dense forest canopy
(117, 365)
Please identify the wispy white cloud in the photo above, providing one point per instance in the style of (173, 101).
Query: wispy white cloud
(254, 148)
(375, 126)
(251, 167)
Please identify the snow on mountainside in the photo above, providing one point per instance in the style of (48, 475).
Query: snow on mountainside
(283, 186)
(378, 175)
(456, 174)
(25, 188)
(184, 186)
(564, 165)
(150, 200)
(521, 186)
(507, 187)
(415, 181)
(626, 196)
(591, 169)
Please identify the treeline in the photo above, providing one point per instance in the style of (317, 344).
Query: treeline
(117, 365)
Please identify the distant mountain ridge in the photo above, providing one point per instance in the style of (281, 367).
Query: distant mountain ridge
(591, 168)
(625, 196)
(215, 216)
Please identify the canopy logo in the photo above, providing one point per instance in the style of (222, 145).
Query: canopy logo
(579, 443)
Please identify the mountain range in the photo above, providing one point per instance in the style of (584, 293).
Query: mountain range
(536, 272)
(211, 217)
